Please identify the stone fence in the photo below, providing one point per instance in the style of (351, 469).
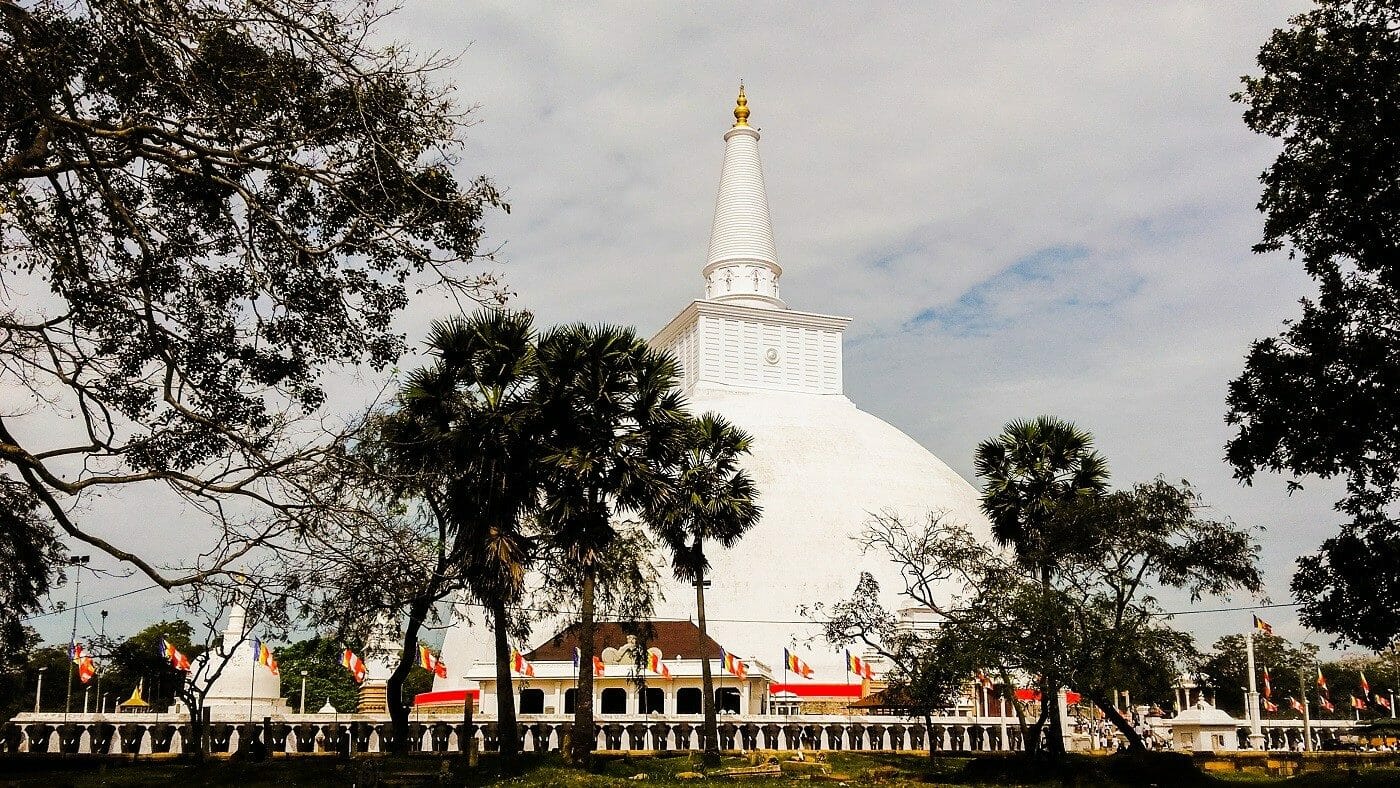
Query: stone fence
(114, 734)
(136, 734)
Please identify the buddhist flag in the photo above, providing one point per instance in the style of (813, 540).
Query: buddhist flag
(1381, 700)
(1263, 626)
(1268, 688)
(852, 664)
(264, 656)
(1294, 704)
(1326, 704)
(578, 657)
(796, 665)
(1321, 680)
(431, 663)
(354, 664)
(599, 668)
(519, 664)
(86, 669)
(1358, 703)
(655, 665)
(1269, 705)
(1365, 688)
(172, 655)
(983, 679)
(75, 651)
(732, 664)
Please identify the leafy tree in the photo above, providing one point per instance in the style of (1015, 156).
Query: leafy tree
(929, 669)
(203, 205)
(612, 423)
(18, 672)
(326, 679)
(138, 660)
(30, 557)
(1096, 623)
(711, 499)
(468, 428)
(1321, 398)
(1029, 470)
(1114, 551)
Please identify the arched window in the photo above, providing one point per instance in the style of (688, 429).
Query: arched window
(688, 700)
(651, 700)
(614, 701)
(532, 701)
(569, 695)
(727, 700)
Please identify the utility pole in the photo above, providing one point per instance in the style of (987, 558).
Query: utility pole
(77, 561)
(1256, 735)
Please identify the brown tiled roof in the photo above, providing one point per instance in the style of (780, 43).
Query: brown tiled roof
(672, 637)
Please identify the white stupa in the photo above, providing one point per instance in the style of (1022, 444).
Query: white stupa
(244, 686)
(821, 464)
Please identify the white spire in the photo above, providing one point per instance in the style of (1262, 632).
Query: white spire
(237, 623)
(742, 267)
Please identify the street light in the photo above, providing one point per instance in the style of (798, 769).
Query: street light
(303, 692)
(38, 689)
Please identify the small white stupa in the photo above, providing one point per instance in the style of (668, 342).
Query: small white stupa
(245, 686)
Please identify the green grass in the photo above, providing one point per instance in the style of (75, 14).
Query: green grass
(886, 769)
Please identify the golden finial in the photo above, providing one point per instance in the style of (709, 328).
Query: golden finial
(741, 109)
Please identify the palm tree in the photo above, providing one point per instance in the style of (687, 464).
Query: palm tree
(1029, 470)
(612, 422)
(713, 500)
(469, 422)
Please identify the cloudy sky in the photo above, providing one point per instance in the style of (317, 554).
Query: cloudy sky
(1024, 208)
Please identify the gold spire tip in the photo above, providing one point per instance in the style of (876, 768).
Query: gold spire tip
(741, 108)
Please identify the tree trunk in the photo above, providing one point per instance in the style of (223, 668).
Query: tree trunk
(584, 737)
(1032, 737)
(393, 688)
(1050, 699)
(710, 734)
(193, 704)
(508, 733)
(1134, 740)
(1050, 687)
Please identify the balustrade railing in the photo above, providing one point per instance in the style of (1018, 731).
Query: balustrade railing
(131, 734)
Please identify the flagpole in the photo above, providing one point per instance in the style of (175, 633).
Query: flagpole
(252, 676)
(1307, 722)
(1256, 735)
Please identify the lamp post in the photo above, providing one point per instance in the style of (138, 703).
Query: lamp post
(77, 561)
(303, 692)
(102, 639)
(39, 689)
